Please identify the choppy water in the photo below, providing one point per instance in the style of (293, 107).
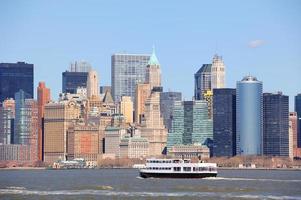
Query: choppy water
(125, 184)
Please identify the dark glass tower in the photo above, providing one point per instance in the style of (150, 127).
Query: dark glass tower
(15, 76)
(202, 81)
(73, 80)
(275, 124)
(298, 111)
(167, 100)
(224, 122)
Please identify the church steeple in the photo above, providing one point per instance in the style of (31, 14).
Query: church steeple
(153, 59)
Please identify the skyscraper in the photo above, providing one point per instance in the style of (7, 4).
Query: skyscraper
(7, 116)
(15, 76)
(153, 72)
(142, 93)
(190, 123)
(92, 84)
(224, 122)
(275, 125)
(249, 116)
(298, 111)
(294, 123)
(202, 81)
(127, 70)
(75, 77)
(126, 108)
(152, 127)
(167, 100)
(57, 118)
(217, 72)
(43, 98)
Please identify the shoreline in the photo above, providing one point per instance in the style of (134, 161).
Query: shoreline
(219, 168)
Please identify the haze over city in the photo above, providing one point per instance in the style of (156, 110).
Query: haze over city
(261, 38)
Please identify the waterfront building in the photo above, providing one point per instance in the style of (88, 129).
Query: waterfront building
(202, 81)
(126, 108)
(189, 151)
(224, 122)
(167, 100)
(138, 147)
(152, 127)
(58, 117)
(112, 139)
(153, 72)
(84, 141)
(190, 123)
(14, 152)
(249, 116)
(15, 77)
(7, 116)
(43, 94)
(294, 129)
(127, 70)
(298, 111)
(92, 85)
(217, 72)
(142, 93)
(275, 124)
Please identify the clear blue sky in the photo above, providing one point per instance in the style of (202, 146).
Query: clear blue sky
(262, 38)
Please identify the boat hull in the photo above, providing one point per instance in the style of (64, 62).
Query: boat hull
(176, 175)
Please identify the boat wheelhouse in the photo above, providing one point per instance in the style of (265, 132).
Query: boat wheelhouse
(177, 168)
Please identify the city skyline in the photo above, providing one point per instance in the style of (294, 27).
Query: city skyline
(184, 42)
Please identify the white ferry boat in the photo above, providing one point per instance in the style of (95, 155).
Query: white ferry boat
(177, 168)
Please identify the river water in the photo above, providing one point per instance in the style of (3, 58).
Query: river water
(125, 184)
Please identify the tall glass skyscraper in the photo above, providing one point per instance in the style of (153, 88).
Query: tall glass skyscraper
(72, 80)
(15, 76)
(224, 122)
(275, 125)
(190, 123)
(202, 81)
(298, 111)
(167, 100)
(127, 70)
(249, 116)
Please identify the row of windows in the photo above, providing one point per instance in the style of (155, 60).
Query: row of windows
(159, 168)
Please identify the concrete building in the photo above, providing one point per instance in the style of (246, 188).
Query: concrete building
(152, 127)
(167, 100)
(57, 118)
(127, 70)
(224, 122)
(294, 129)
(7, 116)
(126, 108)
(298, 111)
(153, 72)
(15, 77)
(15, 152)
(217, 72)
(275, 124)
(142, 93)
(92, 84)
(138, 147)
(202, 81)
(84, 141)
(190, 124)
(249, 116)
(112, 139)
(43, 94)
(189, 151)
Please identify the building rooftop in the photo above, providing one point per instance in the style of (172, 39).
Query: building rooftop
(204, 68)
(153, 59)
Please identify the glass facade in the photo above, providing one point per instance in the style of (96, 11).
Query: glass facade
(190, 123)
(127, 70)
(224, 122)
(249, 116)
(298, 111)
(72, 80)
(202, 81)
(15, 76)
(275, 124)
(167, 100)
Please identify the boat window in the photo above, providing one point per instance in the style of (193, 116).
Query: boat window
(187, 169)
(195, 169)
(177, 169)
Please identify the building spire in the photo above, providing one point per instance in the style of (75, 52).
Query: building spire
(153, 59)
